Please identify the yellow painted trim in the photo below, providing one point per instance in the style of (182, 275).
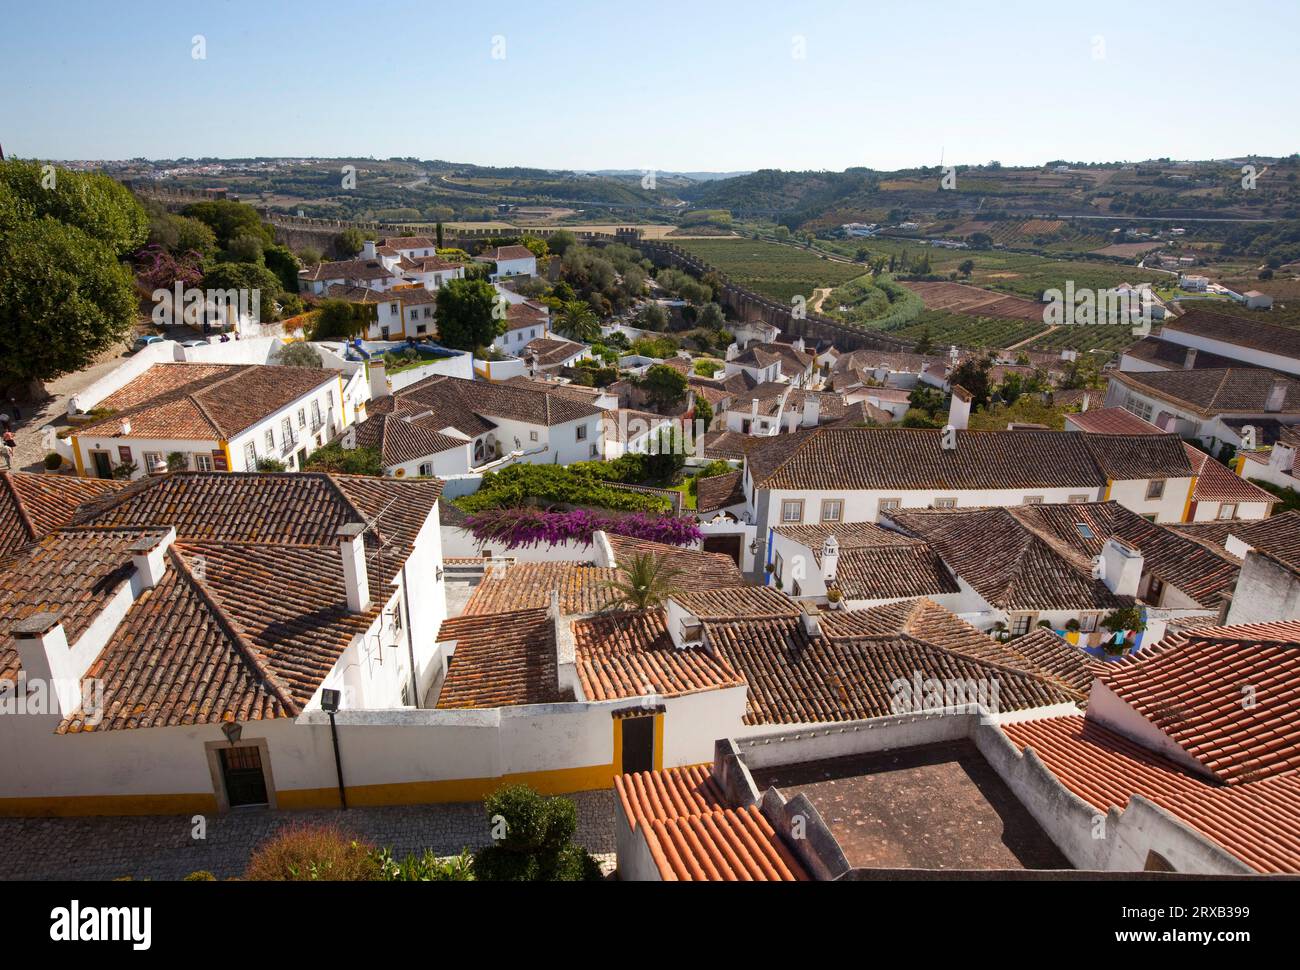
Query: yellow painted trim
(1187, 506)
(1241, 465)
(659, 742)
(225, 449)
(76, 456)
(69, 805)
(1106, 497)
(617, 763)
(343, 404)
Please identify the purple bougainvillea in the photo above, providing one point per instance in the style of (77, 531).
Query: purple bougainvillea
(522, 527)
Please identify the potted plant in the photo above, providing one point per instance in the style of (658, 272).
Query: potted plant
(1072, 631)
(1000, 631)
(834, 598)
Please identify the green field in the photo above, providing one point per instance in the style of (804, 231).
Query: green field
(947, 328)
(879, 304)
(1106, 338)
(776, 271)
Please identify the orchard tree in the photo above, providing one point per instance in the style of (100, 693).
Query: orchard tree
(65, 293)
(467, 314)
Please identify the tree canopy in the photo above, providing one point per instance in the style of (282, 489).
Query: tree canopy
(465, 314)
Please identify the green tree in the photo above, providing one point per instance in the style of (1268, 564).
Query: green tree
(973, 374)
(652, 317)
(966, 267)
(703, 411)
(251, 277)
(577, 322)
(348, 243)
(298, 354)
(65, 295)
(645, 584)
(711, 317)
(340, 320)
(559, 242)
(467, 316)
(230, 220)
(665, 386)
(533, 840)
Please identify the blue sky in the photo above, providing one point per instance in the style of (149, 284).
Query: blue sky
(702, 85)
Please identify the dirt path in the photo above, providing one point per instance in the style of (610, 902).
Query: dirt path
(1029, 340)
(819, 297)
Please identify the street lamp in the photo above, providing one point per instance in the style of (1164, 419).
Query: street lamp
(329, 702)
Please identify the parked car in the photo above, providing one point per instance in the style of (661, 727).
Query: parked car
(194, 343)
(144, 341)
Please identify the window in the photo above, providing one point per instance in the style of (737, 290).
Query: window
(1078, 499)
(1088, 622)
(890, 504)
(270, 441)
(152, 459)
(316, 420)
(582, 432)
(1033, 500)
(202, 463)
(1136, 405)
(415, 314)
(250, 456)
(532, 435)
(778, 564)
(594, 452)
(792, 510)
(1155, 489)
(945, 503)
(302, 417)
(329, 398)
(422, 328)
(426, 469)
(124, 454)
(1020, 624)
(832, 510)
(1227, 511)
(286, 432)
(1084, 531)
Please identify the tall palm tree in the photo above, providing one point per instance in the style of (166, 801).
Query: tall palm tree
(645, 584)
(577, 321)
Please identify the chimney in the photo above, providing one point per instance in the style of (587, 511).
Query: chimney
(352, 549)
(732, 351)
(812, 624)
(1237, 546)
(1189, 359)
(1282, 457)
(1276, 397)
(812, 410)
(378, 379)
(45, 655)
(1084, 405)
(125, 427)
(959, 409)
(149, 557)
(368, 249)
(830, 559)
(798, 344)
(1121, 567)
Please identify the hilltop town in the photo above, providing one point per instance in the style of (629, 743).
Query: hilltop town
(736, 552)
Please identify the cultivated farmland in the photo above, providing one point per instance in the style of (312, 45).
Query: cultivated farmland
(776, 271)
(959, 298)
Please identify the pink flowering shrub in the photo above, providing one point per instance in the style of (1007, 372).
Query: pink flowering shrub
(524, 526)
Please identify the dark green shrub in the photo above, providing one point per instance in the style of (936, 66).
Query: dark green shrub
(533, 840)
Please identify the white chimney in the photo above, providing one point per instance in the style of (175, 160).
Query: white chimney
(812, 410)
(44, 653)
(125, 427)
(732, 351)
(368, 249)
(830, 559)
(1282, 457)
(1276, 397)
(149, 557)
(959, 410)
(352, 550)
(1189, 359)
(812, 624)
(1084, 405)
(378, 378)
(1121, 567)
(1237, 546)
(798, 344)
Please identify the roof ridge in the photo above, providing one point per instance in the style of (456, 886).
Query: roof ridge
(18, 505)
(233, 630)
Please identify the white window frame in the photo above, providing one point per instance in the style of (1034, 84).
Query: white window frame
(838, 504)
(795, 503)
(945, 502)
(1230, 508)
(250, 456)
(202, 462)
(1155, 489)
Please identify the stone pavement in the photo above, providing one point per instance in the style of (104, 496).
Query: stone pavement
(160, 847)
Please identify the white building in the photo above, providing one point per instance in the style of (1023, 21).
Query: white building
(216, 417)
(510, 261)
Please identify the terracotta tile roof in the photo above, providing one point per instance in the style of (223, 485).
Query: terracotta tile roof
(795, 678)
(433, 264)
(449, 397)
(1278, 535)
(1011, 566)
(1225, 695)
(698, 570)
(720, 491)
(1138, 456)
(498, 253)
(756, 355)
(1256, 822)
(737, 603)
(354, 270)
(33, 506)
(294, 508)
(400, 438)
(693, 836)
(622, 424)
(522, 315)
(903, 458)
(630, 654)
(1252, 333)
(70, 573)
(1111, 421)
(175, 660)
(523, 586)
(849, 535)
(1214, 391)
(205, 401)
(1217, 483)
(728, 445)
(551, 350)
(1038, 652)
(501, 660)
(1172, 356)
(882, 572)
(408, 242)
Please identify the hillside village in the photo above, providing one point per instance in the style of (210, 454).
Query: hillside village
(471, 511)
